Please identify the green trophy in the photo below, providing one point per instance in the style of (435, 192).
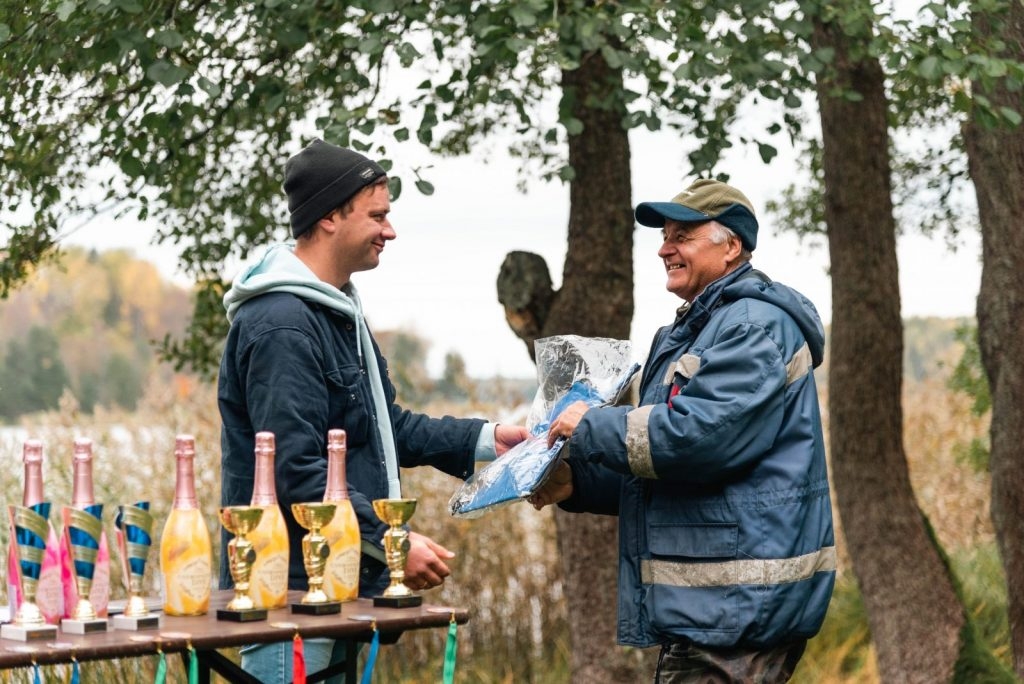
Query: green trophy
(240, 521)
(29, 531)
(315, 550)
(396, 513)
(134, 537)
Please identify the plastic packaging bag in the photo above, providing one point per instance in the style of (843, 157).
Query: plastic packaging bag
(570, 368)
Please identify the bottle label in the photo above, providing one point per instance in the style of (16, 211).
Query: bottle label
(194, 579)
(343, 568)
(270, 580)
(50, 593)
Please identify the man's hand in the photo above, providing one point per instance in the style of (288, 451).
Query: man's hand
(567, 421)
(507, 436)
(425, 567)
(558, 486)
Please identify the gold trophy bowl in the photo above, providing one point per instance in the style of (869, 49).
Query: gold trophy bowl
(27, 623)
(315, 551)
(396, 513)
(240, 521)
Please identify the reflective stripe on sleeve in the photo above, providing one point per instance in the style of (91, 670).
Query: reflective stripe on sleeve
(799, 365)
(687, 366)
(638, 443)
(735, 572)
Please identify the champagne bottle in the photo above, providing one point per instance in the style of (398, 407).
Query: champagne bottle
(268, 582)
(185, 549)
(49, 590)
(341, 575)
(83, 499)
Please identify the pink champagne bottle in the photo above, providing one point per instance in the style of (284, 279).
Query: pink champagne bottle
(268, 581)
(341, 575)
(49, 591)
(82, 498)
(185, 549)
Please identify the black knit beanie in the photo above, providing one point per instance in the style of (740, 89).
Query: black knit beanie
(321, 177)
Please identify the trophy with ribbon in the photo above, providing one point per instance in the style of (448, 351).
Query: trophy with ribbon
(29, 530)
(134, 538)
(83, 529)
(396, 513)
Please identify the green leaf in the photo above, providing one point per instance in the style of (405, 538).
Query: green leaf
(165, 73)
(567, 173)
(209, 87)
(395, 187)
(523, 16)
(930, 67)
(65, 9)
(767, 152)
(425, 187)
(1011, 115)
(5, 32)
(401, 134)
(168, 38)
(573, 126)
(131, 166)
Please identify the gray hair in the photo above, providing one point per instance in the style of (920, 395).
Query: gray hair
(720, 234)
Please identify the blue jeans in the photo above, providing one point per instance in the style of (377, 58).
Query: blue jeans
(272, 663)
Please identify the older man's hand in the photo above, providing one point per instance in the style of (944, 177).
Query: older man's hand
(558, 487)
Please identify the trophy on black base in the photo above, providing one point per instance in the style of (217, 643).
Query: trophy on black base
(82, 532)
(29, 531)
(396, 513)
(315, 550)
(240, 521)
(134, 537)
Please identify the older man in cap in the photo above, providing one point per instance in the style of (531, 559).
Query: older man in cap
(300, 360)
(727, 555)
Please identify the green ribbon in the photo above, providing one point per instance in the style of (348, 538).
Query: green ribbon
(193, 666)
(450, 650)
(161, 670)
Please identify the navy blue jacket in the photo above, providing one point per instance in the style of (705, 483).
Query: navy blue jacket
(719, 477)
(290, 367)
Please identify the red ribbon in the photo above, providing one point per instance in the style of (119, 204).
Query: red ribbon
(298, 661)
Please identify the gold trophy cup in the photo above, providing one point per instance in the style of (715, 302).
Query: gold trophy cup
(134, 537)
(240, 521)
(396, 513)
(315, 550)
(29, 547)
(82, 532)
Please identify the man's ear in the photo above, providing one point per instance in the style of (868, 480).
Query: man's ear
(328, 223)
(735, 249)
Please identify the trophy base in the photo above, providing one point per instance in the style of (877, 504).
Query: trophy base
(73, 626)
(28, 632)
(327, 608)
(247, 615)
(397, 601)
(136, 623)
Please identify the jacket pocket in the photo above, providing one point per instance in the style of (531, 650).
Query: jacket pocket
(694, 540)
(351, 404)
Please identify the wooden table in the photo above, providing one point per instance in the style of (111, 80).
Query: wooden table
(206, 634)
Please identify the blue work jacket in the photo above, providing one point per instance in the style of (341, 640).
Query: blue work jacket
(719, 477)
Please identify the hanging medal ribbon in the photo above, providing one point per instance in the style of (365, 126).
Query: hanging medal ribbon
(298, 661)
(193, 665)
(371, 657)
(161, 669)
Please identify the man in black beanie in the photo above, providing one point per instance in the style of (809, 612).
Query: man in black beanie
(300, 360)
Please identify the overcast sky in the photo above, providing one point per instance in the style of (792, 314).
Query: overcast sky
(437, 278)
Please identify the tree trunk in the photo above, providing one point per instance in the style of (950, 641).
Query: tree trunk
(996, 158)
(914, 613)
(595, 300)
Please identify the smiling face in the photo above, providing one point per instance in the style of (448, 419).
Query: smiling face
(359, 236)
(692, 257)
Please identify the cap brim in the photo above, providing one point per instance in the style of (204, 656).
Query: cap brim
(654, 214)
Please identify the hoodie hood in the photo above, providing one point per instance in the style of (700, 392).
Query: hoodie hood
(799, 308)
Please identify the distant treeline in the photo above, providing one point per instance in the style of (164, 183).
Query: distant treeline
(87, 325)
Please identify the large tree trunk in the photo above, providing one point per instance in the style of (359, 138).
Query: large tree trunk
(595, 300)
(996, 157)
(914, 613)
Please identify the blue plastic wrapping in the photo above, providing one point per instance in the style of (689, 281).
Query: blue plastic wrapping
(570, 368)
